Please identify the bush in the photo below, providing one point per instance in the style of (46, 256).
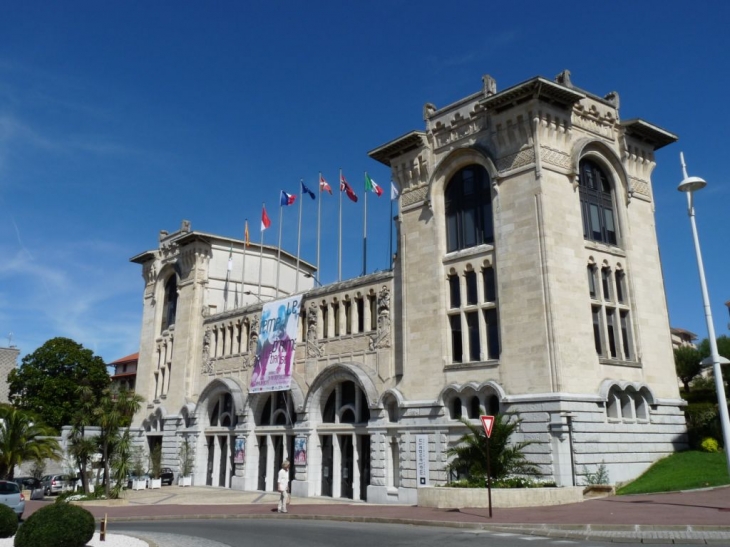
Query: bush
(709, 445)
(57, 525)
(8, 522)
(702, 421)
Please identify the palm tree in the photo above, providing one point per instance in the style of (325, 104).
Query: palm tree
(470, 455)
(81, 447)
(115, 413)
(23, 439)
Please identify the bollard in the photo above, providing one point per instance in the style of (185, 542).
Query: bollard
(102, 528)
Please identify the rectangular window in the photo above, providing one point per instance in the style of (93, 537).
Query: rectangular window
(619, 286)
(488, 223)
(454, 291)
(456, 345)
(592, 282)
(472, 323)
(595, 222)
(471, 288)
(373, 312)
(606, 284)
(325, 322)
(452, 230)
(493, 347)
(610, 228)
(611, 331)
(348, 316)
(470, 223)
(490, 287)
(336, 318)
(360, 303)
(626, 335)
(596, 313)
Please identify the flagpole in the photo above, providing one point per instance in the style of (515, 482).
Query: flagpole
(339, 243)
(243, 267)
(278, 250)
(319, 216)
(390, 240)
(365, 232)
(229, 266)
(261, 253)
(299, 232)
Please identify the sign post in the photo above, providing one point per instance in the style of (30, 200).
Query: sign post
(487, 423)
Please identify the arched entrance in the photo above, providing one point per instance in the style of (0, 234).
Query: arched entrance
(344, 441)
(274, 416)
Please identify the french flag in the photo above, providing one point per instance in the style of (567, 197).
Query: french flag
(287, 199)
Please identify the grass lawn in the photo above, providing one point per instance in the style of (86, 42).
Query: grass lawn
(681, 471)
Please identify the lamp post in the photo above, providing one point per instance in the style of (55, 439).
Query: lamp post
(689, 185)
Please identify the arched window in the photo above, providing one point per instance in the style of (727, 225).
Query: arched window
(469, 209)
(169, 308)
(346, 403)
(596, 203)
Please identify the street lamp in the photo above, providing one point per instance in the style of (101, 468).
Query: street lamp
(689, 185)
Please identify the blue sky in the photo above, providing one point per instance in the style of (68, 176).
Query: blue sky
(119, 119)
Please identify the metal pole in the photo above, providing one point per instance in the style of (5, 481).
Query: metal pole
(319, 217)
(365, 234)
(261, 249)
(278, 250)
(714, 354)
(299, 232)
(339, 243)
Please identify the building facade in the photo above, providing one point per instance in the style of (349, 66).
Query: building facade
(527, 281)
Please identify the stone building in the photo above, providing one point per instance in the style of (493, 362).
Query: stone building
(8, 362)
(527, 281)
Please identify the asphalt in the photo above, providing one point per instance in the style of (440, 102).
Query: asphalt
(688, 517)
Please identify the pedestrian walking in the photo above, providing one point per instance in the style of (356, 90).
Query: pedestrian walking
(283, 485)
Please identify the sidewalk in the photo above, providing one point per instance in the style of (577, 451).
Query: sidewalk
(698, 516)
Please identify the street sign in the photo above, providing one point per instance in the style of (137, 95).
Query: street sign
(487, 423)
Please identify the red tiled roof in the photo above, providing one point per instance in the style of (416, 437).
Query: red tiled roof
(123, 375)
(127, 359)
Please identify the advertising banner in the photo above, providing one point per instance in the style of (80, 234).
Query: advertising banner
(272, 368)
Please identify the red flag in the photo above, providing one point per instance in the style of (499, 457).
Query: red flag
(323, 186)
(265, 221)
(344, 187)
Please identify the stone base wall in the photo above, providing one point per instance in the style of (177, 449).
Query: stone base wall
(448, 498)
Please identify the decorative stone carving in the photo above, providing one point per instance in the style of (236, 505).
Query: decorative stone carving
(513, 161)
(382, 337)
(555, 157)
(564, 78)
(313, 348)
(414, 196)
(489, 85)
(253, 341)
(207, 360)
(428, 110)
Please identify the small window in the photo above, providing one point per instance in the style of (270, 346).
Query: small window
(592, 282)
(456, 344)
(493, 346)
(454, 292)
(336, 317)
(475, 408)
(626, 334)
(597, 208)
(471, 288)
(325, 322)
(472, 322)
(456, 408)
(360, 303)
(348, 316)
(596, 313)
(606, 284)
(490, 287)
(611, 331)
(620, 286)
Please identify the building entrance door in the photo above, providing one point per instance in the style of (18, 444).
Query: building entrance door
(346, 467)
(364, 462)
(327, 467)
(263, 455)
(211, 458)
(223, 468)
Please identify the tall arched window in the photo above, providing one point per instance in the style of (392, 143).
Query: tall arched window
(596, 203)
(169, 308)
(469, 209)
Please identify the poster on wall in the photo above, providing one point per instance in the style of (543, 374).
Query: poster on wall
(239, 456)
(300, 451)
(422, 467)
(272, 367)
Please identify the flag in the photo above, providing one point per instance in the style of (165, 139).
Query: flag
(344, 187)
(246, 239)
(230, 259)
(394, 192)
(306, 190)
(323, 186)
(265, 221)
(286, 199)
(371, 186)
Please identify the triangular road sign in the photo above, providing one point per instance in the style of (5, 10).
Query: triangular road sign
(487, 422)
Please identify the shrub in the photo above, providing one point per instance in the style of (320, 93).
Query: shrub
(709, 445)
(599, 477)
(57, 525)
(8, 522)
(702, 421)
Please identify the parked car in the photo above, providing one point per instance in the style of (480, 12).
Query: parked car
(31, 483)
(167, 476)
(11, 496)
(55, 484)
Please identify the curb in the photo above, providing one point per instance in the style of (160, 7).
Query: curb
(629, 533)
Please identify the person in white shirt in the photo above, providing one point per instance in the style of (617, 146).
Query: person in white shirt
(283, 485)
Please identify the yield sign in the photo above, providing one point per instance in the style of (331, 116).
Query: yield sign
(487, 422)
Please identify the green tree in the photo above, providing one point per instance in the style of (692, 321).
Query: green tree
(48, 379)
(470, 455)
(23, 438)
(723, 348)
(687, 364)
